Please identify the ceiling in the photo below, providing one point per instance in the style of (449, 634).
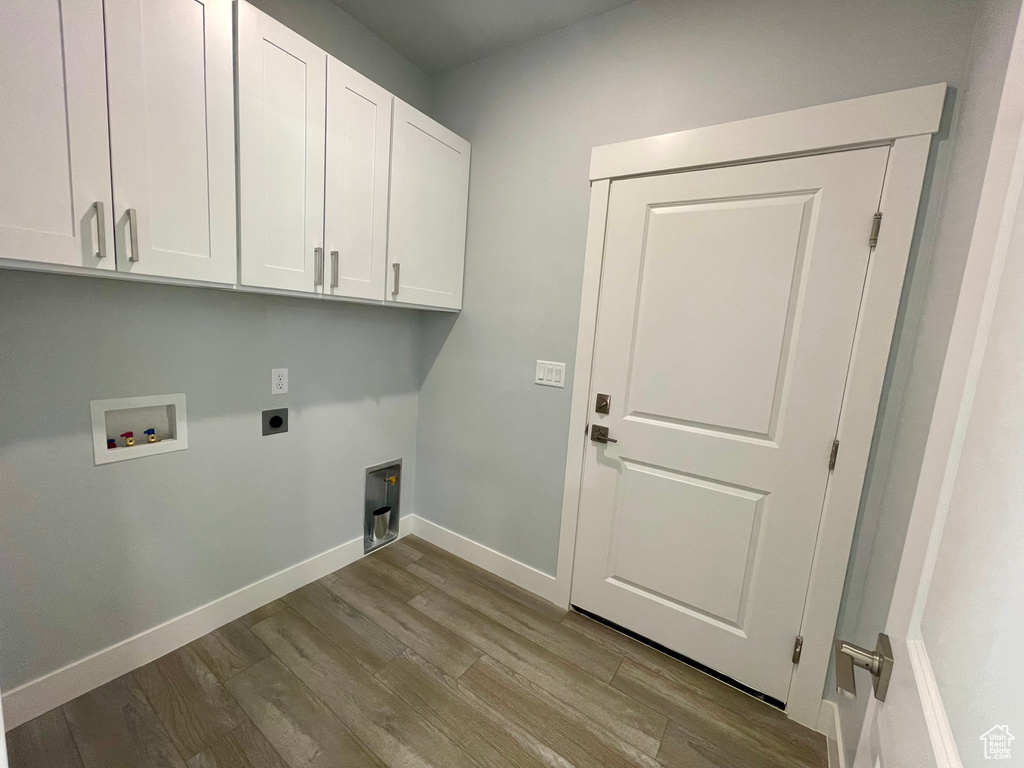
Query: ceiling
(440, 34)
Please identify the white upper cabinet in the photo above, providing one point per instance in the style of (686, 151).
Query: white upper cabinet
(172, 137)
(427, 224)
(55, 202)
(356, 203)
(281, 116)
(121, 149)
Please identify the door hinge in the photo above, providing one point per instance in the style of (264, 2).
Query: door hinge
(876, 224)
(832, 456)
(798, 648)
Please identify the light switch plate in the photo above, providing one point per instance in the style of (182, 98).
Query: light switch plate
(550, 374)
(279, 381)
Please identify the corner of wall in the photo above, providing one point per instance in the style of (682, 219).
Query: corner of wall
(329, 27)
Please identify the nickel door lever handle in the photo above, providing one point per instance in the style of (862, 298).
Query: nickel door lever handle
(878, 662)
(599, 434)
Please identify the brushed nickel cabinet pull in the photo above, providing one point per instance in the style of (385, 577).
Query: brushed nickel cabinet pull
(133, 231)
(101, 230)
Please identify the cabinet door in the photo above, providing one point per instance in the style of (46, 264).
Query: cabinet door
(172, 137)
(55, 203)
(356, 202)
(427, 226)
(281, 107)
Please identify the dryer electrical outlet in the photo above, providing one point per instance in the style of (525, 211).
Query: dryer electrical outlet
(275, 421)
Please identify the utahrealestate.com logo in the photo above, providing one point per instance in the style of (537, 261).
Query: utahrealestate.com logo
(997, 740)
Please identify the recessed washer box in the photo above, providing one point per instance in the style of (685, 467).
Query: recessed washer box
(164, 414)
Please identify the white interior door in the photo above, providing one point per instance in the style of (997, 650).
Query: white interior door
(55, 201)
(728, 307)
(281, 122)
(955, 618)
(172, 133)
(356, 194)
(429, 199)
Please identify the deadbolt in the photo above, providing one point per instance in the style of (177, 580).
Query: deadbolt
(603, 404)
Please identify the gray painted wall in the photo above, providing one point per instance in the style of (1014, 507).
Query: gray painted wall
(326, 25)
(90, 556)
(919, 354)
(491, 451)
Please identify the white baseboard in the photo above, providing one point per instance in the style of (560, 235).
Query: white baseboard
(55, 688)
(520, 574)
(830, 727)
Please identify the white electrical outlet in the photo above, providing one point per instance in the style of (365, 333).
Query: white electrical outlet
(279, 381)
(550, 374)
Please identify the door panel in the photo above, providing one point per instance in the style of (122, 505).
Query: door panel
(173, 136)
(54, 146)
(728, 308)
(708, 531)
(356, 195)
(429, 199)
(731, 319)
(281, 113)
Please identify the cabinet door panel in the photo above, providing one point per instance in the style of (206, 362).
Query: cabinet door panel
(282, 98)
(429, 196)
(54, 156)
(173, 136)
(356, 203)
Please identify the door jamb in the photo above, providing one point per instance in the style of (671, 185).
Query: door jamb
(905, 120)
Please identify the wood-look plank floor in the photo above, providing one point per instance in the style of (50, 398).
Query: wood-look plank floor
(413, 657)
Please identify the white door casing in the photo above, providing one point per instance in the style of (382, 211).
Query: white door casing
(727, 316)
(281, 123)
(356, 194)
(911, 727)
(429, 203)
(904, 120)
(172, 132)
(54, 146)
